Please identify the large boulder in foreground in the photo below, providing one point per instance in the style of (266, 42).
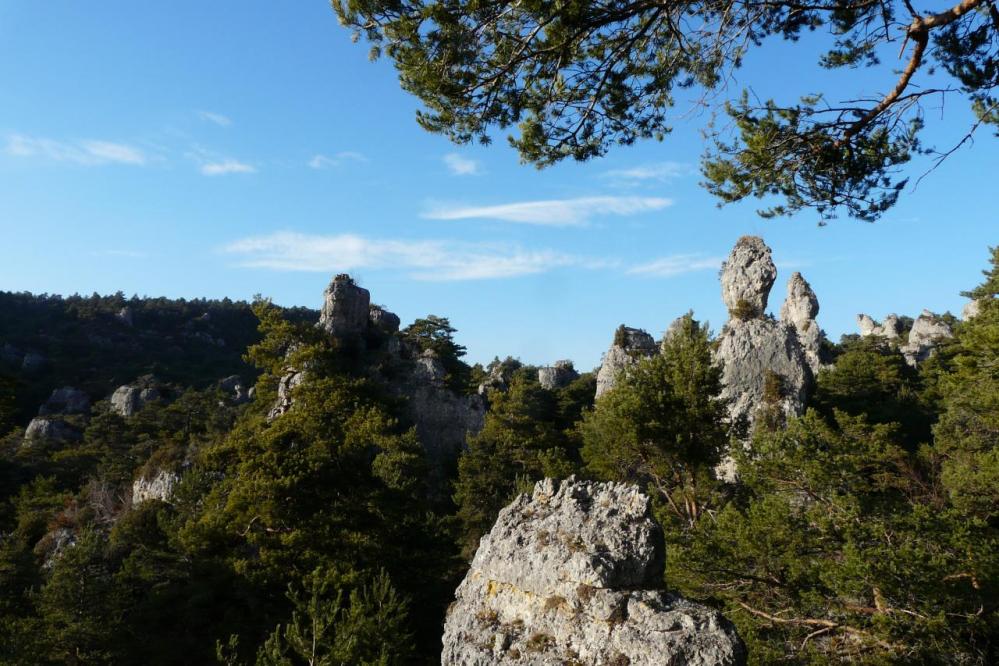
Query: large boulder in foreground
(568, 576)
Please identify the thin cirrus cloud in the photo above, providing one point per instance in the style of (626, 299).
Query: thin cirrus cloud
(217, 118)
(552, 212)
(226, 166)
(677, 264)
(461, 166)
(320, 161)
(657, 171)
(83, 152)
(429, 260)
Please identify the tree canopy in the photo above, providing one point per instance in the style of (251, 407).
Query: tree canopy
(577, 77)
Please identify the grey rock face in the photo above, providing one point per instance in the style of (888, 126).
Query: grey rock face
(51, 546)
(800, 308)
(561, 373)
(567, 575)
(971, 309)
(45, 429)
(926, 333)
(66, 400)
(289, 380)
(130, 398)
(383, 321)
(159, 487)
(629, 345)
(345, 308)
(747, 276)
(750, 350)
(889, 329)
(33, 362)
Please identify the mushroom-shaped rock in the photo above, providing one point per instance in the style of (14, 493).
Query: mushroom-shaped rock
(568, 575)
(747, 277)
(66, 400)
(561, 373)
(345, 308)
(629, 345)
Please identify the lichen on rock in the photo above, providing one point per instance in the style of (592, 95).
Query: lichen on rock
(568, 574)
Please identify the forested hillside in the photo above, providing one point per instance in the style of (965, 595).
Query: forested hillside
(833, 501)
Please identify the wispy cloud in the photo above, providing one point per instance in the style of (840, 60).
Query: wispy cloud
(432, 260)
(226, 166)
(676, 264)
(217, 118)
(461, 166)
(657, 171)
(320, 161)
(82, 152)
(552, 212)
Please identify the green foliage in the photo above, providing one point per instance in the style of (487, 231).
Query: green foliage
(871, 378)
(574, 79)
(662, 425)
(525, 438)
(367, 627)
(436, 334)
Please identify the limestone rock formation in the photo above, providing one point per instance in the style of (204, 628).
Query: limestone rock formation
(383, 321)
(746, 278)
(66, 400)
(125, 316)
(289, 380)
(755, 349)
(235, 389)
(971, 309)
(799, 310)
(345, 308)
(890, 328)
(130, 398)
(159, 486)
(629, 345)
(749, 351)
(927, 331)
(47, 429)
(568, 576)
(559, 374)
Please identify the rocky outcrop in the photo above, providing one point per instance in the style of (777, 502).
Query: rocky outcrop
(629, 345)
(48, 429)
(159, 486)
(130, 398)
(500, 374)
(66, 400)
(971, 309)
(568, 575)
(125, 316)
(890, 328)
(799, 310)
(286, 385)
(346, 308)
(235, 389)
(755, 350)
(558, 375)
(33, 362)
(926, 333)
(747, 277)
(382, 321)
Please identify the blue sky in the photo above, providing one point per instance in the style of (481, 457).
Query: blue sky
(225, 148)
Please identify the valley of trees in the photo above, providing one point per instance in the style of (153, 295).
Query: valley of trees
(866, 530)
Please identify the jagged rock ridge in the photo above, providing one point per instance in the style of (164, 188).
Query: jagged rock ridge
(629, 345)
(568, 576)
